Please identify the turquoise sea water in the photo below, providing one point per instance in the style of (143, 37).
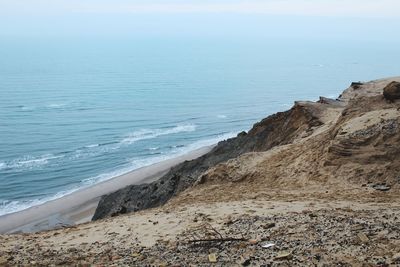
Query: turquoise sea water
(74, 113)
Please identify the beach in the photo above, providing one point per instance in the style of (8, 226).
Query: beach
(79, 207)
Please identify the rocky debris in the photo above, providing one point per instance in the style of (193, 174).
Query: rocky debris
(332, 237)
(329, 101)
(392, 91)
(278, 129)
(381, 187)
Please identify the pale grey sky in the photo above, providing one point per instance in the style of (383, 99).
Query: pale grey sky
(356, 19)
(351, 8)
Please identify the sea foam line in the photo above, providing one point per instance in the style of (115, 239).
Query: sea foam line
(28, 162)
(153, 133)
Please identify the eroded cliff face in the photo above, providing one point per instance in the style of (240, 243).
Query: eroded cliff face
(278, 129)
(357, 146)
(354, 139)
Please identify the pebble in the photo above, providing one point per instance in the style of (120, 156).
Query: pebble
(212, 257)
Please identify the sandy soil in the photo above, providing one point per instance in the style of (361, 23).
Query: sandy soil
(333, 229)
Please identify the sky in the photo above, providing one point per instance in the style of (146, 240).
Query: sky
(353, 8)
(199, 17)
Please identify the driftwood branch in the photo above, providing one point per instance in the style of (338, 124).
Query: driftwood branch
(217, 240)
(206, 234)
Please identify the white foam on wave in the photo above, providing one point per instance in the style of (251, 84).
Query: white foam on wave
(136, 163)
(7, 207)
(222, 116)
(153, 133)
(56, 105)
(136, 136)
(179, 151)
(28, 162)
(27, 108)
(91, 146)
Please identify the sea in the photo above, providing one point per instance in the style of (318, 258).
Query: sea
(74, 113)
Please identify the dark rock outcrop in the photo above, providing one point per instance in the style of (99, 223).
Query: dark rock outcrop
(278, 129)
(392, 91)
(356, 85)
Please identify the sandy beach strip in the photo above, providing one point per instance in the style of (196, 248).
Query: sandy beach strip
(79, 207)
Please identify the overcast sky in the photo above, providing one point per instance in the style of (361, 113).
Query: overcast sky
(35, 17)
(354, 8)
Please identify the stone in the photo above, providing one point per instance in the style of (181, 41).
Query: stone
(3, 261)
(356, 85)
(284, 255)
(212, 257)
(392, 91)
(269, 225)
(381, 187)
(363, 237)
(357, 227)
(253, 241)
(396, 258)
(245, 262)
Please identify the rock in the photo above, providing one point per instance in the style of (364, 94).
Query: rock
(357, 227)
(363, 237)
(253, 241)
(3, 261)
(392, 91)
(245, 262)
(356, 85)
(381, 187)
(329, 101)
(269, 225)
(396, 258)
(284, 255)
(212, 257)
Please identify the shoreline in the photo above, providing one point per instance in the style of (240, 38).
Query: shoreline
(79, 206)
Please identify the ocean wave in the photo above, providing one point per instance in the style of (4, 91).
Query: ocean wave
(56, 105)
(179, 150)
(7, 206)
(153, 133)
(91, 146)
(176, 151)
(221, 116)
(28, 162)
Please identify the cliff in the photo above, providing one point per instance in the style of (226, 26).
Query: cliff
(354, 137)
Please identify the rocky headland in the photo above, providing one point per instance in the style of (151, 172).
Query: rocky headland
(317, 185)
